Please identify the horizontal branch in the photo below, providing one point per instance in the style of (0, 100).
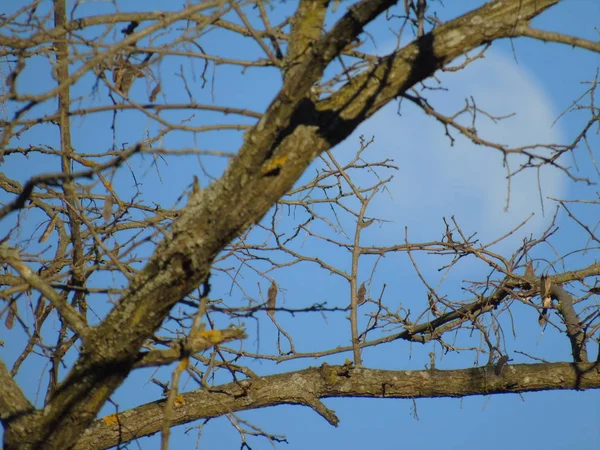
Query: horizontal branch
(338, 381)
(551, 36)
(16, 43)
(226, 110)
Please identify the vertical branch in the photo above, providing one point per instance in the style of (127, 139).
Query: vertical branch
(307, 27)
(356, 297)
(64, 105)
(575, 331)
(355, 258)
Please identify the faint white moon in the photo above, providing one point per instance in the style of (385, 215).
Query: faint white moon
(468, 181)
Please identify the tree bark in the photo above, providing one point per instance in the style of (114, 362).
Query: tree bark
(307, 387)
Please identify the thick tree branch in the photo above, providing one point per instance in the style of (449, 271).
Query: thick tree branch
(13, 402)
(396, 73)
(339, 381)
(307, 28)
(575, 330)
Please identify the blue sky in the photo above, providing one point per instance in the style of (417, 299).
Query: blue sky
(536, 81)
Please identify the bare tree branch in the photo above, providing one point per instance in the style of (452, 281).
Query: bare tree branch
(550, 36)
(338, 381)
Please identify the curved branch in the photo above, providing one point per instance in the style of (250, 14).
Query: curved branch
(337, 381)
(551, 36)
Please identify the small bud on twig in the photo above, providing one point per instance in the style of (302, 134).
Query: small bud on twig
(272, 299)
(545, 293)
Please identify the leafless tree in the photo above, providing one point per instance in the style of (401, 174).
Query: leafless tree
(113, 98)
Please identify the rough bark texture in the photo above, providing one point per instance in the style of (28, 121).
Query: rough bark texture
(307, 386)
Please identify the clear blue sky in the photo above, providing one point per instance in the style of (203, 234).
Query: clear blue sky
(536, 81)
